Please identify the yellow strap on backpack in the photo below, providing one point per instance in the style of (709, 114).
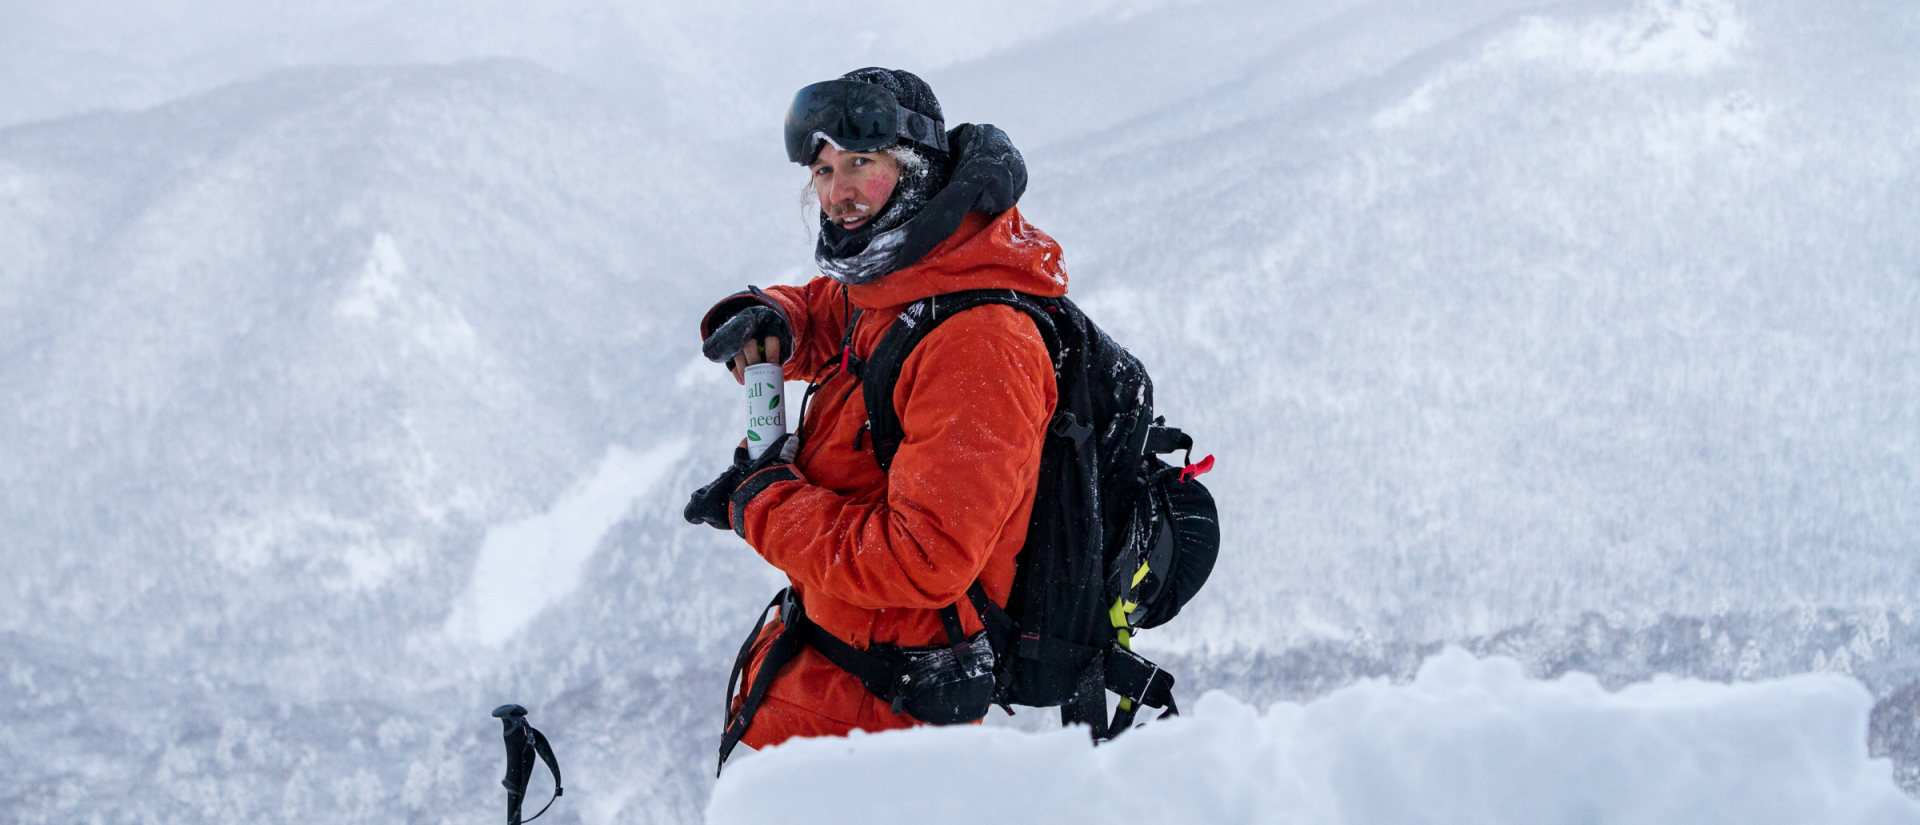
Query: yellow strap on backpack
(1121, 615)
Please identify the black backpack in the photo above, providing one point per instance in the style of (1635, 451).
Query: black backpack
(1118, 540)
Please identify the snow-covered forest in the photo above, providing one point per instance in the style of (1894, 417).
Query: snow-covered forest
(351, 387)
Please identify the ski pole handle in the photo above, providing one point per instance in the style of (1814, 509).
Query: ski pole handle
(525, 745)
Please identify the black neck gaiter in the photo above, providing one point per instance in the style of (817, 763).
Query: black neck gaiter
(920, 178)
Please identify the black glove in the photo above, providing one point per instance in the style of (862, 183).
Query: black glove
(750, 324)
(708, 505)
(714, 504)
(772, 467)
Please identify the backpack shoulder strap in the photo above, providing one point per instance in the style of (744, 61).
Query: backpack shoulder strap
(881, 371)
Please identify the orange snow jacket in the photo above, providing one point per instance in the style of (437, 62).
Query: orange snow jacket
(875, 555)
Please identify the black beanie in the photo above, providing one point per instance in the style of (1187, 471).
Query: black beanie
(912, 93)
(915, 187)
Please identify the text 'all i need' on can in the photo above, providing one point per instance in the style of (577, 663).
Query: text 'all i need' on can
(766, 407)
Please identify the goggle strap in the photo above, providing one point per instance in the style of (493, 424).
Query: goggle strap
(922, 129)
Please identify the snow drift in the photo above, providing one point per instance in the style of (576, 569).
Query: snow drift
(1467, 741)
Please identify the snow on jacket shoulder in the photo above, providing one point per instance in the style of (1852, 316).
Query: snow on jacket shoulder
(875, 555)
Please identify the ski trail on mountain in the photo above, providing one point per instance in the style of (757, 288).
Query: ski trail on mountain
(528, 564)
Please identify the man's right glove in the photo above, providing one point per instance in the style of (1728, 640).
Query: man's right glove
(750, 324)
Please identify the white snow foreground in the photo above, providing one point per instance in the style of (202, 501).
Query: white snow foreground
(1469, 741)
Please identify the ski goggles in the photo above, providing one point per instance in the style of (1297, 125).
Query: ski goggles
(856, 117)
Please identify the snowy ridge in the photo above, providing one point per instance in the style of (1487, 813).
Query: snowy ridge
(1466, 741)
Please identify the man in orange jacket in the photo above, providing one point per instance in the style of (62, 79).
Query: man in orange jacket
(908, 209)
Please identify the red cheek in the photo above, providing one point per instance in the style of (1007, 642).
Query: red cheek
(877, 188)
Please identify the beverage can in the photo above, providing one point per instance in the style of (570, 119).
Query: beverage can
(766, 407)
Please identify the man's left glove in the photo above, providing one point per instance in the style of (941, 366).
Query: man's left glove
(716, 504)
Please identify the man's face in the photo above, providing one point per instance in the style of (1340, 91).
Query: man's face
(853, 185)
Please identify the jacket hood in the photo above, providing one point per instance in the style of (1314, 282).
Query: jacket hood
(984, 252)
(989, 175)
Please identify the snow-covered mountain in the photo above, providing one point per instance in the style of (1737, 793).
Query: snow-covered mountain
(359, 394)
(289, 363)
(1531, 304)
(706, 68)
(301, 342)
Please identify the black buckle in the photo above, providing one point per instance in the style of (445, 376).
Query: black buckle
(789, 607)
(1066, 425)
(1163, 440)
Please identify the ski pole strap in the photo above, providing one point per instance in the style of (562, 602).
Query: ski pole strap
(785, 646)
(525, 744)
